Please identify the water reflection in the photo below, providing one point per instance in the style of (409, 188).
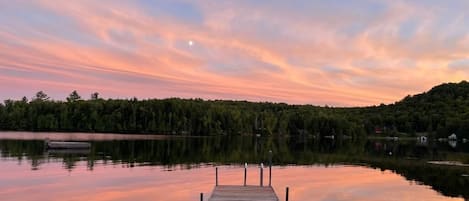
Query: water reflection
(56, 152)
(113, 182)
(406, 158)
(453, 143)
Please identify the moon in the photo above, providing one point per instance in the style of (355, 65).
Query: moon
(190, 43)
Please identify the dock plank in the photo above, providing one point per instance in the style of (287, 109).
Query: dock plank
(243, 193)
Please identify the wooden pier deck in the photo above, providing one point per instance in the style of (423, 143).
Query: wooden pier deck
(246, 192)
(243, 193)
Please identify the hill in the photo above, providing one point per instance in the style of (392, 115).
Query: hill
(441, 111)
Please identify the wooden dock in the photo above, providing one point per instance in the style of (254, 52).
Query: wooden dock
(243, 193)
(246, 192)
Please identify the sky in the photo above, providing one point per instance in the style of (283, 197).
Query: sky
(339, 53)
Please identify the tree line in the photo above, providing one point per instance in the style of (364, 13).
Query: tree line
(439, 112)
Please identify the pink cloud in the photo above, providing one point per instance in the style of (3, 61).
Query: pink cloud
(234, 59)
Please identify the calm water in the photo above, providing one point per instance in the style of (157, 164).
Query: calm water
(139, 167)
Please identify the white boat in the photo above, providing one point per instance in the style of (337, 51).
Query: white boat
(329, 137)
(67, 145)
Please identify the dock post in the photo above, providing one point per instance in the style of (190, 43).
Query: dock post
(245, 172)
(262, 174)
(201, 196)
(270, 167)
(216, 176)
(286, 196)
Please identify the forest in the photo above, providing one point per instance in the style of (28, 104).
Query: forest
(439, 112)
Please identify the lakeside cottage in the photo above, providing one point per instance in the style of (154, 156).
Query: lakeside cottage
(422, 139)
(452, 137)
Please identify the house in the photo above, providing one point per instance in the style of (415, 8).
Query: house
(422, 139)
(452, 137)
(378, 130)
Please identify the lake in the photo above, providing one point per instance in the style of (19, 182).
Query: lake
(151, 167)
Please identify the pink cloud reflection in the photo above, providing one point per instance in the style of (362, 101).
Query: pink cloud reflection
(115, 182)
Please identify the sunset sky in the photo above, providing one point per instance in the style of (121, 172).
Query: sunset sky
(341, 53)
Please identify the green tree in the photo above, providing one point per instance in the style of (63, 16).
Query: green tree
(95, 96)
(41, 96)
(73, 97)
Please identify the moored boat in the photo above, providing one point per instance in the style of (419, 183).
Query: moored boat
(67, 145)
